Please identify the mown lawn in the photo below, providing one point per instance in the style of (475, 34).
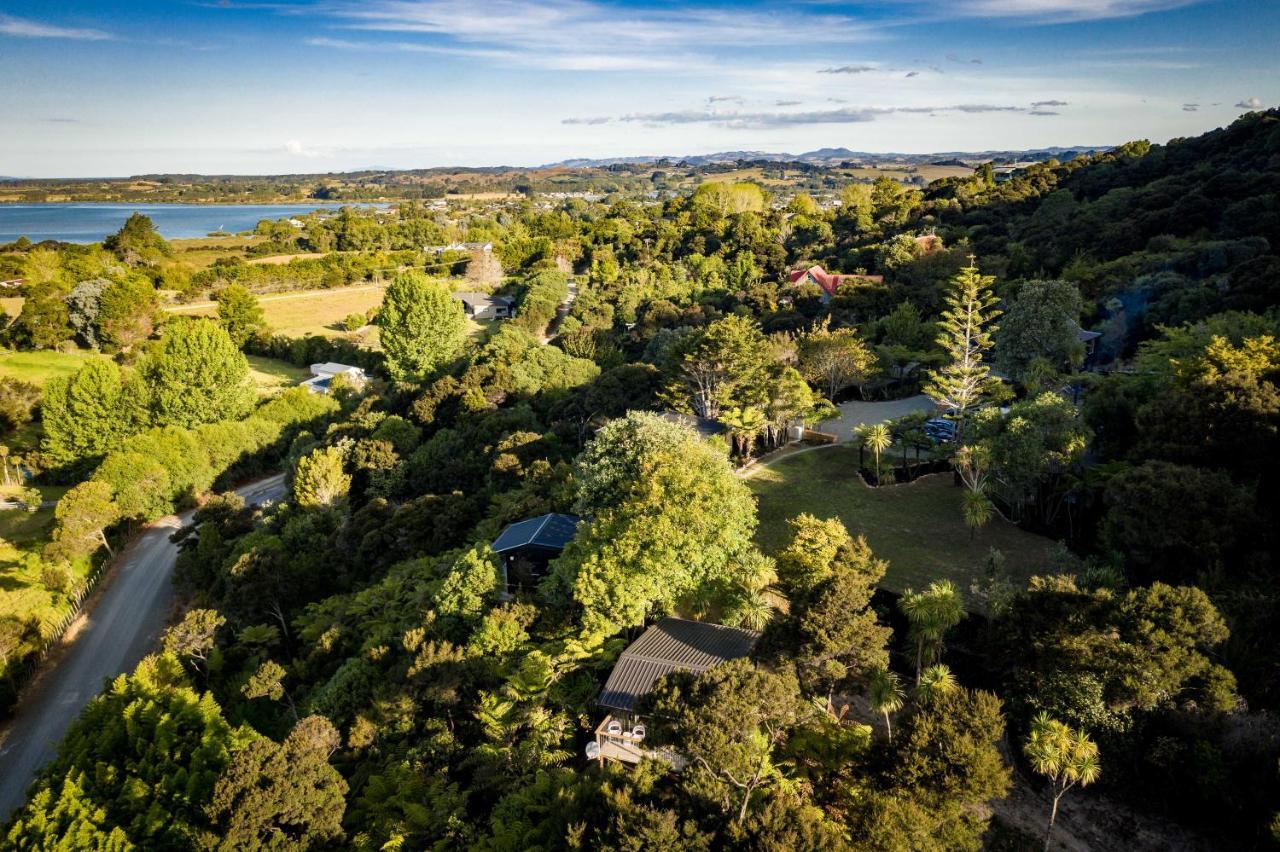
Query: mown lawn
(918, 527)
(272, 376)
(39, 367)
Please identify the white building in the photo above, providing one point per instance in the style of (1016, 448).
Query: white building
(323, 374)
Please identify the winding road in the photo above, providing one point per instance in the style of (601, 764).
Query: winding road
(109, 639)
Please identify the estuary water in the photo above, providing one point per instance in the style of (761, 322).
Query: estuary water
(89, 223)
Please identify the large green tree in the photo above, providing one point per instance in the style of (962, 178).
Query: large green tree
(89, 413)
(280, 796)
(423, 326)
(1041, 321)
(240, 314)
(196, 374)
(682, 530)
(965, 382)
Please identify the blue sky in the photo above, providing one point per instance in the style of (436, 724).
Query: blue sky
(225, 86)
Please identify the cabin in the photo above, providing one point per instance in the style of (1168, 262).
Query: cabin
(1089, 340)
(670, 645)
(829, 282)
(527, 547)
(323, 374)
(482, 306)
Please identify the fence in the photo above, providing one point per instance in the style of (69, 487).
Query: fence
(32, 662)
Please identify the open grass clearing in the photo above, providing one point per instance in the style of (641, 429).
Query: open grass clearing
(918, 526)
(272, 376)
(38, 367)
(318, 312)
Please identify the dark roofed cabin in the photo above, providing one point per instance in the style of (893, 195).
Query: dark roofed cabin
(671, 645)
(527, 546)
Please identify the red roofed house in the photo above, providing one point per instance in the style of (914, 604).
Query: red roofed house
(828, 281)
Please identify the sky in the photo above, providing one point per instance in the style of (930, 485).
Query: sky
(302, 86)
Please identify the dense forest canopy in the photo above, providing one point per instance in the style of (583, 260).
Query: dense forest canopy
(356, 668)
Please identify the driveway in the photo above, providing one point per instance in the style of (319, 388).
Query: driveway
(854, 414)
(123, 626)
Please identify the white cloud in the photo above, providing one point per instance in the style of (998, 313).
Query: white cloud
(1057, 11)
(26, 28)
(295, 148)
(1249, 103)
(591, 36)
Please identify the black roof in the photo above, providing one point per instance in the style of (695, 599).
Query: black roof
(673, 644)
(552, 531)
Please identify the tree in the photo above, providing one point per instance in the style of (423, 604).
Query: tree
(138, 241)
(729, 723)
(835, 360)
(966, 382)
(683, 528)
(1066, 757)
(194, 636)
(977, 509)
(82, 515)
(280, 796)
(608, 468)
(931, 614)
(423, 326)
(831, 634)
(83, 303)
(18, 401)
(886, 696)
(127, 313)
(195, 375)
(42, 323)
(1041, 321)
(133, 769)
(320, 480)
(1174, 522)
(241, 315)
(89, 413)
(725, 366)
(878, 438)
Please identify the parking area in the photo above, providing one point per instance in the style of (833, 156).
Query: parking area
(855, 413)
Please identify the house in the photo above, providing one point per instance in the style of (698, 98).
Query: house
(11, 283)
(323, 374)
(527, 546)
(482, 306)
(828, 281)
(1089, 340)
(670, 645)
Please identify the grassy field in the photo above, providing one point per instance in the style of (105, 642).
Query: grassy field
(39, 367)
(918, 527)
(272, 376)
(318, 312)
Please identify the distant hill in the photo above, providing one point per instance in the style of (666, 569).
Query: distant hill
(829, 156)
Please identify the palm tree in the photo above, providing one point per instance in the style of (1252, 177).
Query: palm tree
(745, 425)
(1066, 756)
(977, 511)
(936, 680)
(877, 438)
(886, 696)
(931, 614)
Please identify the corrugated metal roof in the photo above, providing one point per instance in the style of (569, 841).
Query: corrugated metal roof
(673, 644)
(552, 531)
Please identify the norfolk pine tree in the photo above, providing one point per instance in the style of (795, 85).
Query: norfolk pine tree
(966, 382)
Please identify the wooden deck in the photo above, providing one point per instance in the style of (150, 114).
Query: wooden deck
(627, 749)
